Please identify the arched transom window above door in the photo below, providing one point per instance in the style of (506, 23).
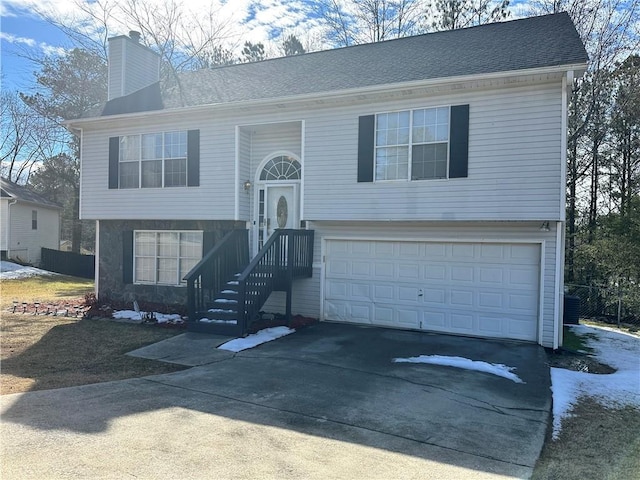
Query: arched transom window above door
(281, 167)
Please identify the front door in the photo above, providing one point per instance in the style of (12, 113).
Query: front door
(279, 208)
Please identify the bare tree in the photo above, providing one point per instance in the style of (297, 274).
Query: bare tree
(609, 30)
(185, 40)
(351, 22)
(454, 14)
(26, 138)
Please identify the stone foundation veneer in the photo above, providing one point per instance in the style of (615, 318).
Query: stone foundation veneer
(111, 282)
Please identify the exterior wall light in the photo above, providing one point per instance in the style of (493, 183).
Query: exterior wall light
(247, 185)
(544, 227)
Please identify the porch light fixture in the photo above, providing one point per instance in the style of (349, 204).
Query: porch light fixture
(247, 185)
(544, 227)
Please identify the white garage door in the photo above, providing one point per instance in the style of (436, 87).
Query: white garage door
(479, 289)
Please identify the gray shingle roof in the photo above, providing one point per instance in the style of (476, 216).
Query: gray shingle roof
(535, 42)
(18, 192)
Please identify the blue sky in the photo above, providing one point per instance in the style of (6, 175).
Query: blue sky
(22, 33)
(23, 30)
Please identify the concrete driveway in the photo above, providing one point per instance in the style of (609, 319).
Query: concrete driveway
(325, 402)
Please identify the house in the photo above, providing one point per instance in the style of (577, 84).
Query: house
(416, 183)
(29, 222)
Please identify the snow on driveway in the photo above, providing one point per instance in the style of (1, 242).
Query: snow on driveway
(13, 271)
(622, 388)
(465, 363)
(250, 341)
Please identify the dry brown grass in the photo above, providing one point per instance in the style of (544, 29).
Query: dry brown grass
(595, 443)
(42, 351)
(44, 288)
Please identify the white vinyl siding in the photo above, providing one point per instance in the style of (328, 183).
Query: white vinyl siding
(25, 241)
(213, 199)
(514, 166)
(4, 225)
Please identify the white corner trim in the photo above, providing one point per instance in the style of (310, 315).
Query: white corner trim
(96, 280)
(543, 252)
(80, 173)
(236, 190)
(559, 285)
(302, 169)
(567, 82)
(323, 250)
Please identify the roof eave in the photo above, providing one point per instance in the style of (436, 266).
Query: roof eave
(578, 68)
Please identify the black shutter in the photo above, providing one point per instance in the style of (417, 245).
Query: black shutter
(127, 256)
(193, 158)
(459, 141)
(114, 159)
(366, 142)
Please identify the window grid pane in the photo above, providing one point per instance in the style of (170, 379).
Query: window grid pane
(129, 172)
(175, 145)
(129, 148)
(392, 163)
(175, 173)
(152, 146)
(153, 160)
(151, 173)
(164, 257)
(426, 131)
(429, 161)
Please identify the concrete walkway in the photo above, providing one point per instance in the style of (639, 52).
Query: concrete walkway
(324, 402)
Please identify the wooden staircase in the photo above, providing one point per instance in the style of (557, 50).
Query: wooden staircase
(226, 291)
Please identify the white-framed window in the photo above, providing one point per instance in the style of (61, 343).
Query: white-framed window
(165, 257)
(34, 219)
(412, 144)
(153, 160)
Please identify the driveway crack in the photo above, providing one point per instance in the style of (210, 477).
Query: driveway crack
(337, 422)
(501, 409)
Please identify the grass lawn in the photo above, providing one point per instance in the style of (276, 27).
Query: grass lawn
(42, 351)
(595, 442)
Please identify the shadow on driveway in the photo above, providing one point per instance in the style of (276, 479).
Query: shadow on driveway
(325, 402)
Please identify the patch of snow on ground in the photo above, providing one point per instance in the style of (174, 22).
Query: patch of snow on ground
(133, 315)
(127, 315)
(13, 271)
(213, 320)
(622, 388)
(461, 362)
(250, 341)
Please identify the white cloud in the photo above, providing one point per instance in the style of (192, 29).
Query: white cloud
(52, 50)
(14, 39)
(235, 21)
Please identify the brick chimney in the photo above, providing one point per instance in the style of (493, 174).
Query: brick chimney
(132, 66)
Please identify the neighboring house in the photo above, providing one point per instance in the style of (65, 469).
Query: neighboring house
(431, 169)
(28, 222)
